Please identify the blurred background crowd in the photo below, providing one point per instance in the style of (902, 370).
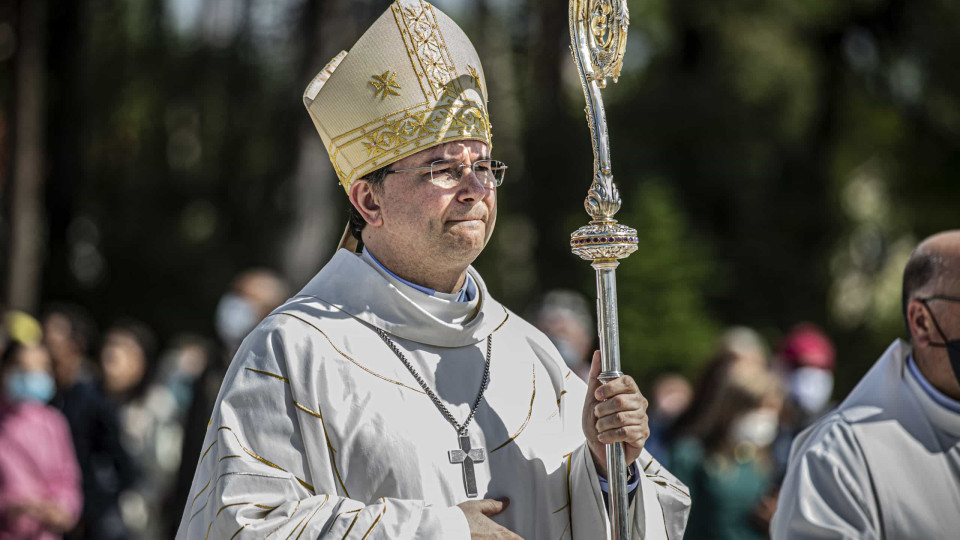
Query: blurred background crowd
(162, 189)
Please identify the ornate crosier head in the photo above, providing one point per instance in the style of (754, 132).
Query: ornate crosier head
(607, 38)
(598, 29)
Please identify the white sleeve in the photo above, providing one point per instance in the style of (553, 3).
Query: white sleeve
(827, 493)
(659, 506)
(256, 479)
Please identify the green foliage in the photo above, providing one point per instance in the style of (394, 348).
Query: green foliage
(664, 323)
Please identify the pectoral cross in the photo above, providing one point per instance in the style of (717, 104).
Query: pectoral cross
(467, 456)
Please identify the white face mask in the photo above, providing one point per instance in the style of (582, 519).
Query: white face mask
(811, 388)
(758, 427)
(235, 318)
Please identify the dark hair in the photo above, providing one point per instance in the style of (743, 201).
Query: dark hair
(357, 223)
(147, 342)
(921, 268)
(10, 354)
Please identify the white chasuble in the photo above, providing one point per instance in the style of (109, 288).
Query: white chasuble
(320, 431)
(884, 465)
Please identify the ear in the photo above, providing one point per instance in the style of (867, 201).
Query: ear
(366, 200)
(921, 326)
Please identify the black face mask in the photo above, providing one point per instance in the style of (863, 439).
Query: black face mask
(952, 346)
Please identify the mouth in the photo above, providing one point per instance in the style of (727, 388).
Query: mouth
(467, 220)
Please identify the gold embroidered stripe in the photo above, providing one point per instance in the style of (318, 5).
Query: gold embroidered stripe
(316, 414)
(350, 528)
(507, 316)
(206, 451)
(370, 530)
(533, 396)
(244, 527)
(224, 507)
(348, 357)
(267, 373)
(292, 515)
(661, 481)
(266, 462)
(311, 519)
(215, 483)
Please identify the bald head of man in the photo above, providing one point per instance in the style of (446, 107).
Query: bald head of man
(931, 309)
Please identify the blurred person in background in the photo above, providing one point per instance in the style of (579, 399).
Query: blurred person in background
(149, 422)
(723, 455)
(670, 397)
(106, 467)
(737, 345)
(806, 361)
(181, 365)
(566, 318)
(40, 494)
(251, 297)
(886, 462)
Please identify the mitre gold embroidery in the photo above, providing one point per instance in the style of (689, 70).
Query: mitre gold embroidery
(385, 85)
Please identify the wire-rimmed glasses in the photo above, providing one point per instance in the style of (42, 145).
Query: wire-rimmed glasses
(447, 174)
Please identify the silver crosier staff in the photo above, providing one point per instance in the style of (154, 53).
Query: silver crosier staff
(598, 34)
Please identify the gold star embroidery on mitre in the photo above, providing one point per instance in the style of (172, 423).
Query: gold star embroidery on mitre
(385, 85)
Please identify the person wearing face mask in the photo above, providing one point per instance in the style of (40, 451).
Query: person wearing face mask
(806, 362)
(886, 462)
(40, 495)
(724, 455)
(564, 317)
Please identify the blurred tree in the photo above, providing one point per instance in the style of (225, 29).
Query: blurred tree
(26, 244)
(664, 323)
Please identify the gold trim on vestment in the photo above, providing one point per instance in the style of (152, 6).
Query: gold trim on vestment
(666, 483)
(529, 413)
(287, 381)
(224, 507)
(238, 532)
(382, 512)
(288, 520)
(507, 316)
(345, 355)
(220, 477)
(352, 523)
(305, 525)
(316, 414)
(206, 451)
(265, 461)
(274, 375)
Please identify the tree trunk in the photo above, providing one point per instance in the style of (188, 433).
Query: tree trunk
(26, 217)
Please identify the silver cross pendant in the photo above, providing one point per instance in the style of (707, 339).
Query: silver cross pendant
(467, 456)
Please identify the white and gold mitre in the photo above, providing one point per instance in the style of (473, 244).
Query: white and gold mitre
(412, 81)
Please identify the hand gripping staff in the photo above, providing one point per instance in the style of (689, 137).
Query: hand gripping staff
(598, 34)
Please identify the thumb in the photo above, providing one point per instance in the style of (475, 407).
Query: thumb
(592, 381)
(492, 507)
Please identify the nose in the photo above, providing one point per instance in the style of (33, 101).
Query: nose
(471, 188)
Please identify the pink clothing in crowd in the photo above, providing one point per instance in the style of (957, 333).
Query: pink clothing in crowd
(37, 462)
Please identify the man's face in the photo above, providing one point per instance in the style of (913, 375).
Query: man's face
(440, 226)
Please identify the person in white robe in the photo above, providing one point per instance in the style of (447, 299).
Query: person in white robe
(394, 397)
(886, 463)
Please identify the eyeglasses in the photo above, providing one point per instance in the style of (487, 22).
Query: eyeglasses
(447, 174)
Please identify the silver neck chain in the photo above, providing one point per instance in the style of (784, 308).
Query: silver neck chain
(461, 429)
